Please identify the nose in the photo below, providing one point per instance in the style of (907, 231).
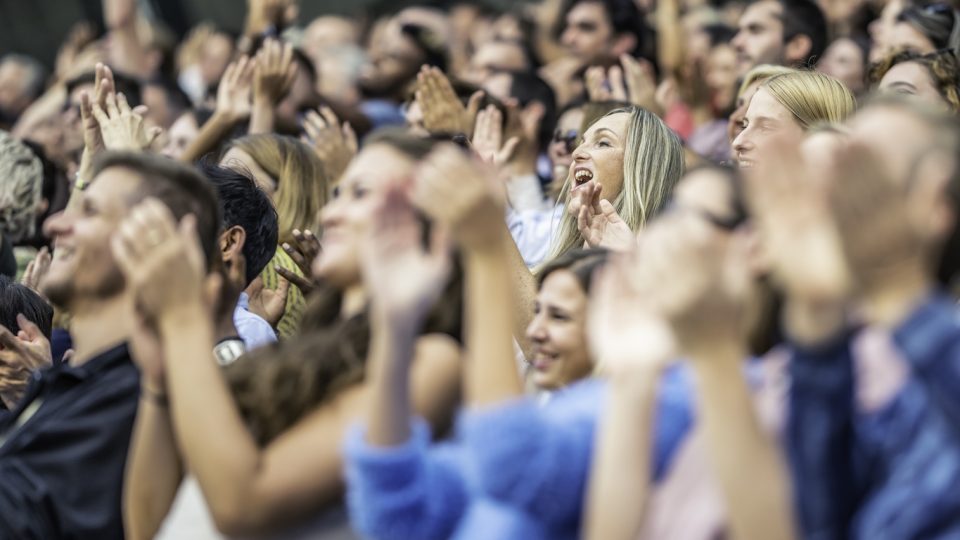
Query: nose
(331, 213)
(568, 36)
(58, 224)
(743, 143)
(737, 41)
(537, 332)
(580, 153)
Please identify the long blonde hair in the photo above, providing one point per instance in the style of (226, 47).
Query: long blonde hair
(652, 165)
(812, 97)
(302, 182)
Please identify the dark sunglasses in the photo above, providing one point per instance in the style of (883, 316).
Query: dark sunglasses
(568, 138)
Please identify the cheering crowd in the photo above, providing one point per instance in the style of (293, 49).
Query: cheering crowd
(603, 269)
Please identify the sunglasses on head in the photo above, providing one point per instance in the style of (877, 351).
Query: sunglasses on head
(568, 138)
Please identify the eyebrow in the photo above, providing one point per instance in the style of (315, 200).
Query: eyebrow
(902, 85)
(607, 130)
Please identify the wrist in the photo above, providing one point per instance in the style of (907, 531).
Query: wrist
(185, 317)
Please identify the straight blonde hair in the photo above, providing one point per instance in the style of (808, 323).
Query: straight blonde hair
(302, 183)
(652, 165)
(812, 97)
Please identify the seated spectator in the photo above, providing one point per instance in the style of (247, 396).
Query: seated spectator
(63, 448)
(26, 321)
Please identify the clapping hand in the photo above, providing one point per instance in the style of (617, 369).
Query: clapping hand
(234, 93)
(163, 264)
(626, 332)
(404, 278)
(20, 356)
(274, 72)
(463, 195)
(442, 110)
(488, 135)
(123, 128)
(305, 250)
(334, 143)
(37, 270)
(598, 221)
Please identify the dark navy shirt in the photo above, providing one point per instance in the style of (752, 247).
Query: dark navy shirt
(61, 470)
(892, 473)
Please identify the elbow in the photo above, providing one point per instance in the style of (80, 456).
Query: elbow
(237, 515)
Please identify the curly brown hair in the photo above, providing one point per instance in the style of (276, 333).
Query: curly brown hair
(942, 66)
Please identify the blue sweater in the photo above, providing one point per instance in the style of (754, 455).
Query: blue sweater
(890, 474)
(516, 470)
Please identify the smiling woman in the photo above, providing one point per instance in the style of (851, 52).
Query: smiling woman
(634, 157)
(787, 106)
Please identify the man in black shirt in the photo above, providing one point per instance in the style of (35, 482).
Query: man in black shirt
(63, 448)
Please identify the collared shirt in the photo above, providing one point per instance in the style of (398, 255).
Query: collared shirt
(533, 230)
(63, 451)
(252, 329)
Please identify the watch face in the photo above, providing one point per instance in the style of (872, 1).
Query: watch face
(227, 352)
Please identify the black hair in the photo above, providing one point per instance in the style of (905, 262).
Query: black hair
(625, 18)
(433, 48)
(527, 88)
(581, 262)
(177, 99)
(805, 18)
(123, 84)
(304, 62)
(938, 21)
(55, 190)
(244, 204)
(19, 299)
(719, 34)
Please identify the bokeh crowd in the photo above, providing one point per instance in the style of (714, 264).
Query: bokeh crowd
(603, 269)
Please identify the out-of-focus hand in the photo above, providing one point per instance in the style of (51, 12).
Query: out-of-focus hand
(488, 137)
(268, 304)
(20, 356)
(335, 143)
(163, 264)
(461, 194)
(234, 94)
(626, 332)
(442, 110)
(37, 270)
(274, 72)
(123, 128)
(404, 278)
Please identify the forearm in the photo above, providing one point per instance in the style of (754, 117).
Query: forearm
(491, 373)
(391, 352)
(214, 131)
(621, 476)
(216, 445)
(759, 503)
(670, 37)
(262, 117)
(153, 474)
(523, 286)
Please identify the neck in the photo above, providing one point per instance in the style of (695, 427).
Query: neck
(905, 286)
(354, 300)
(99, 325)
(224, 327)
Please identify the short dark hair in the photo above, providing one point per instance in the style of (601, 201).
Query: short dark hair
(937, 21)
(625, 18)
(19, 299)
(123, 84)
(244, 204)
(434, 50)
(581, 262)
(527, 88)
(177, 99)
(805, 18)
(180, 187)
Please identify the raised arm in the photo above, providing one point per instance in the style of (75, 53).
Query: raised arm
(458, 193)
(273, 75)
(126, 50)
(234, 104)
(249, 490)
(633, 344)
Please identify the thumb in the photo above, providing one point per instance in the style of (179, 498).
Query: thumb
(473, 104)
(509, 148)
(153, 134)
(609, 212)
(283, 285)
(30, 331)
(255, 287)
